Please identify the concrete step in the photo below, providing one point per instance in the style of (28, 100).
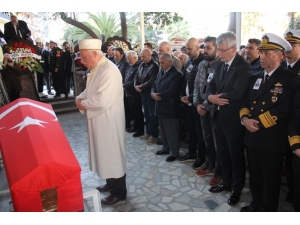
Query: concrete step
(66, 110)
(61, 105)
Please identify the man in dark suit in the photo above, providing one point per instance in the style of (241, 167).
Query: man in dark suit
(56, 70)
(145, 78)
(11, 76)
(16, 29)
(110, 54)
(292, 63)
(293, 57)
(197, 150)
(40, 76)
(166, 92)
(133, 97)
(227, 91)
(252, 55)
(45, 55)
(266, 114)
(122, 64)
(294, 140)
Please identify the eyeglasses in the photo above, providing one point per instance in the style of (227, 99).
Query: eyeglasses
(222, 50)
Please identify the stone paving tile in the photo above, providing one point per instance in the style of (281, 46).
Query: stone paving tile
(153, 184)
(211, 204)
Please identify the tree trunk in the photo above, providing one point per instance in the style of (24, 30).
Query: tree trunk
(123, 25)
(80, 25)
(232, 22)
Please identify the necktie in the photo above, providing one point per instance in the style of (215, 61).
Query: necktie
(289, 67)
(225, 71)
(266, 77)
(18, 32)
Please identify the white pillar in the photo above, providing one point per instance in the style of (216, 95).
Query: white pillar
(142, 30)
(238, 29)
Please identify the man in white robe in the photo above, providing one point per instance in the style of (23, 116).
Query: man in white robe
(103, 102)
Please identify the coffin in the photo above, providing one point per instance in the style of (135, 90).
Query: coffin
(41, 169)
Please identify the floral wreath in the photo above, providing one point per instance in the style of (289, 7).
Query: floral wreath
(24, 54)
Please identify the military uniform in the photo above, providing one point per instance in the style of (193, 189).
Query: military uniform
(269, 101)
(295, 68)
(55, 62)
(292, 160)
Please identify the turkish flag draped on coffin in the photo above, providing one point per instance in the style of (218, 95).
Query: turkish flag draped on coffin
(41, 169)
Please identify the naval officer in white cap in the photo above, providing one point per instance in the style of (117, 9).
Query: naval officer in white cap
(103, 102)
(293, 156)
(293, 56)
(266, 115)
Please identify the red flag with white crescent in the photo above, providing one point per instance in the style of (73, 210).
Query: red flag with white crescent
(37, 156)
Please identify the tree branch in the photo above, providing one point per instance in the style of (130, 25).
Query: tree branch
(80, 25)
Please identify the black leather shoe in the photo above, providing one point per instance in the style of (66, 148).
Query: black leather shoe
(234, 198)
(171, 158)
(56, 96)
(66, 96)
(109, 200)
(138, 134)
(249, 208)
(103, 188)
(162, 152)
(219, 188)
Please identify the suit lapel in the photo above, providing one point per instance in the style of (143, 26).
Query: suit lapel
(229, 73)
(269, 82)
(163, 76)
(13, 27)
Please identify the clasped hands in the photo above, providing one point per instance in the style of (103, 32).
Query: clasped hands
(155, 96)
(215, 99)
(79, 104)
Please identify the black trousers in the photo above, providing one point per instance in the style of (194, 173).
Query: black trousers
(196, 141)
(230, 153)
(47, 79)
(289, 173)
(183, 125)
(118, 187)
(12, 94)
(59, 84)
(136, 109)
(265, 178)
(296, 183)
(40, 81)
(127, 112)
(68, 76)
(210, 144)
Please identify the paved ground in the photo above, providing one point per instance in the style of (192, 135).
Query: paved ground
(153, 184)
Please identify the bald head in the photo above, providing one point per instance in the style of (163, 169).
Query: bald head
(192, 48)
(183, 58)
(146, 55)
(164, 47)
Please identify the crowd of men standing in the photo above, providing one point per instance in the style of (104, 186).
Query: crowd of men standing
(56, 62)
(233, 106)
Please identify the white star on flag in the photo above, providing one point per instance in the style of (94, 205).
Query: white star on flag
(28, 121)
